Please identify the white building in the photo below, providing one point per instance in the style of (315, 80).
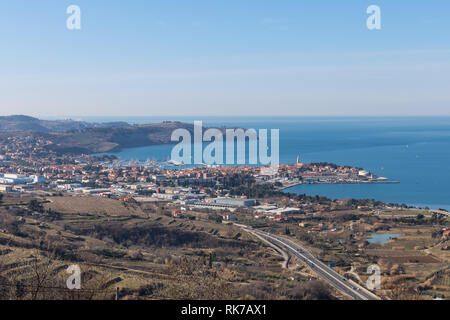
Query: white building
(363, 173)
(14, 179)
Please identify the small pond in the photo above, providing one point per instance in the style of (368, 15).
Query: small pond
(380, 238)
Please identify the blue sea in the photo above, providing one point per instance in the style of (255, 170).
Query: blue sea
(414, 151)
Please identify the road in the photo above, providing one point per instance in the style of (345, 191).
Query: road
(343, 285)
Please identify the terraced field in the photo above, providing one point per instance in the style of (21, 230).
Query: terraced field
(139, 249)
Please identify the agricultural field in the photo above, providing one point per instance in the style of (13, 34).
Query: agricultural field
(133, 251)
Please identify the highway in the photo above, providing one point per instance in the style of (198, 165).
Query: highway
(343, 285)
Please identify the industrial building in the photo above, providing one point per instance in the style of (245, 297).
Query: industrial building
(235, 202)
(16, 179)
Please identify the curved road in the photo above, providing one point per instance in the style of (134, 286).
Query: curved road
(323, 271)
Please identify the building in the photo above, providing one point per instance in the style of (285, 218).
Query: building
(446, 234)
(228, 216)
(5, 188)
(304, 224)
(318, 227)
(261, 216)
(213, 206)
(95, 191)
(194, 196)
(159, 177)
(37, 179)
(23, 187)
(166, 196)
(177, 214)
(127, 199)
(279, 218)
(68, 186)
(171, 190)
(16, 179)
(235, 202)
(188, 201)
(363, 173)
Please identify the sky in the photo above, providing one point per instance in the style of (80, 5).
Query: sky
(233, 57)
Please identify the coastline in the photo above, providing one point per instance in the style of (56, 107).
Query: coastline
(416, 159)
(294, 184)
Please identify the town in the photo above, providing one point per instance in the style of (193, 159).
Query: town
(26, 165)
(113, 215)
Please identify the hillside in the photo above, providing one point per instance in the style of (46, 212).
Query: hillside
(138, 248)
(26, 123)
(73, 137)
(94, 140)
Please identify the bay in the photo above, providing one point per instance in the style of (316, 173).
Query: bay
(412, 150)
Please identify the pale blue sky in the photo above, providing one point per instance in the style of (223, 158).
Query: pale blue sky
(234, 57)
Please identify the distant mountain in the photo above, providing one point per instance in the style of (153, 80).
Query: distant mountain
(25, 123)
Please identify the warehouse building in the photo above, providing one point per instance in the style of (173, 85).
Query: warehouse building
(235, 202)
